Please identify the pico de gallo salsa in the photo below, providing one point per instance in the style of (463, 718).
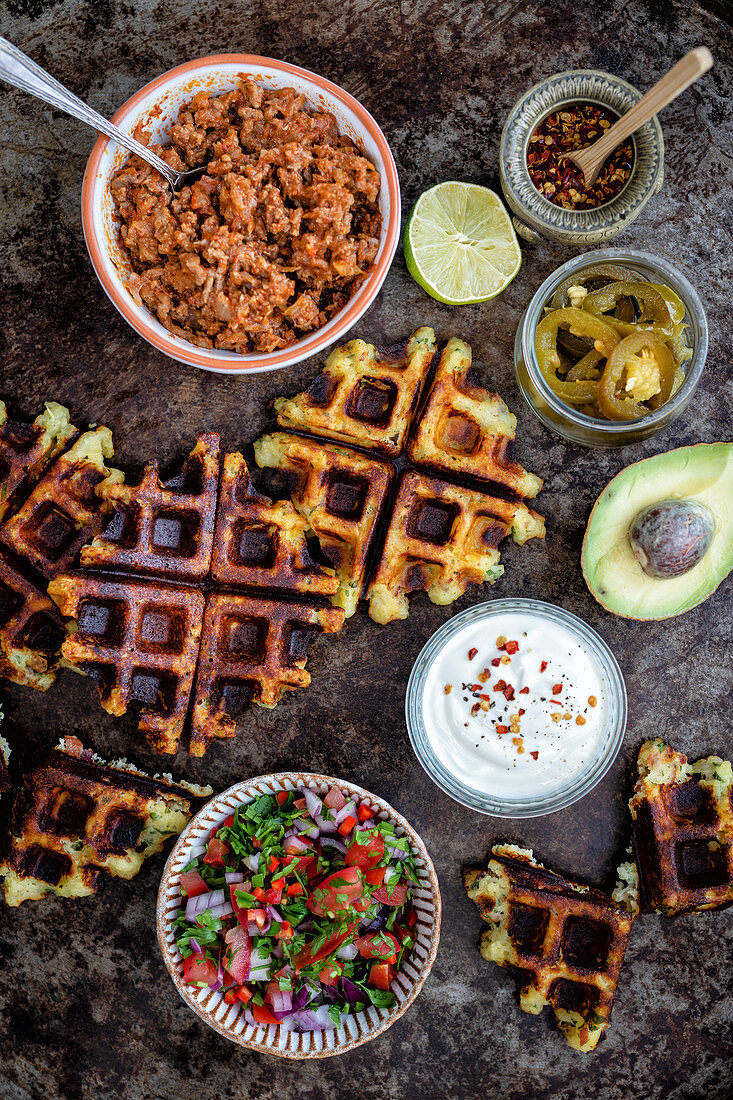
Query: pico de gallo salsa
(300, 908)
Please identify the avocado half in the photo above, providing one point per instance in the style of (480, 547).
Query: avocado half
(702, 473)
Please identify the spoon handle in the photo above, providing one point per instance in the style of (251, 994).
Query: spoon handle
(689, 69)
(23, 73)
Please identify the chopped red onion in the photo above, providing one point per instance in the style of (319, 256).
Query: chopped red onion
(313, 802)
(234, 876)
(297, 845)
(200, 904)
(333, 842)
(252, 861)
(195, 946)
(325, 825)
(348, 952)
(274, 914)
(282, 1003)
(349, 810)
(224, 910)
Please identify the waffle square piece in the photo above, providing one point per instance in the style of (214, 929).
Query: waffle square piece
(139, 641)
(441, 539)
(467, 430)
(253, 649)
(567, 940)
(26, 449)
(438, 533)
(340, 494)
(66, 506)
(366, 395)
(682, 817)
(77, 821)
(31, 630)
(165, 528)
(260, 543)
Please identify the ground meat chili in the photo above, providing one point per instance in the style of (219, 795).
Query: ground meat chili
(271, 242)
(561, 181)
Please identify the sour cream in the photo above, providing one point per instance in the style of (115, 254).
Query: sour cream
(515, 704)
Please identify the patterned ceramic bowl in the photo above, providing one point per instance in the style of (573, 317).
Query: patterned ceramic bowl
(536, 216)
(228, 1020)
(151, 111)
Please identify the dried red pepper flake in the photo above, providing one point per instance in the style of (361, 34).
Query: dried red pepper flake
(524, 691)
(556, 689)
(509, 694)
(472, 653)
(521, 711)
(484, 697)
(501, 730)
(557, 702)
(534, 754)
(511, 647)
(500, 685)
(543, 666)
(561, 181)
(496, 661)
(475, 708)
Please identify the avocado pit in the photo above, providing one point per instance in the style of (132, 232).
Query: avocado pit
(671, 537)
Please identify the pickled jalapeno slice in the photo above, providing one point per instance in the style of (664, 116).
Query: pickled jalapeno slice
(580, 324)
(638, 377)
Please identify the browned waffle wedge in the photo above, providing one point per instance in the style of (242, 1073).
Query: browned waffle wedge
(139, 641)
(251, 649)
(567, 940)
(31, 630)
(365, 395)
(260, 543)
(340, 494)
(682, 818)
(66, 507)
(163, 527)
(441, 539)
(5, 783)
(77, 820)
(26, 449)
(466, 430)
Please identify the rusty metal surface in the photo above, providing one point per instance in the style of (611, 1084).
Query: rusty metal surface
(87, 1009)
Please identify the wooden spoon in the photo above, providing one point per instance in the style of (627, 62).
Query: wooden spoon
(685, 72)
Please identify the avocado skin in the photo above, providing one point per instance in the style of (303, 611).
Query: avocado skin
(702, 473)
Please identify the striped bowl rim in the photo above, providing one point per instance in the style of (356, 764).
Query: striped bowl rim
(228, 1020)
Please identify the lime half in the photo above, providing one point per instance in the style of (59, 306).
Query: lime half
(460, 245)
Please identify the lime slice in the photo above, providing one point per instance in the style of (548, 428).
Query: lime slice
(460, 245)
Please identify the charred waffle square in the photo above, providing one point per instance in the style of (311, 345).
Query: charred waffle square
(26, 449)
(567, 940)
(682, 817)
(77, 820)
(65, 507)
(31, 630)
(252, 649)
(435, 533)
(365, 395)
(165, 528)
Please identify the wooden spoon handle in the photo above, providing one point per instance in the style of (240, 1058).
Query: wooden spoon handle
(689, 69)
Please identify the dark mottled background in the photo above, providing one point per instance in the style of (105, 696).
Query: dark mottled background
(87, 1008)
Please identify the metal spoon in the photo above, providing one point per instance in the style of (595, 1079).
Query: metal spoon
(20, 71)
(680, 76)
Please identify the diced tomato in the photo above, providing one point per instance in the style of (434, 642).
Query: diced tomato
(192, 884)
(347, 825)
(300, 804)
(403, 935)
(295, 889)
(273, 864)
(337, 892)
(198, 970)
(230, 997)
(381, 975)
(374, 876)
(243, 994)
(396, 895)
(364, 813)
(306, 958)
(278, 884)
(216, 853)
(256, 843)
(362, 904)
(329, 976)
(298, 864)
(286, 931)
(377, 945)
(263, 1014)
(226, 824)
(366, 849)
(334, 800)
(258, 893)
(239, 951)
(411, 917)
(273, 897)
(272, 988)
(282, 796)
(259, 916)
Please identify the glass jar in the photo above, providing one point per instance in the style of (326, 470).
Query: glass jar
(535, 215)
(565, 420)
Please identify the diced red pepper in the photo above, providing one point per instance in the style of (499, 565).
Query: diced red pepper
(243, 993)
(381, 975)
(273, 864)
(263, 1015)
(273, 897)
(216, 853)
(347, 825)
(282, 796)
(364, 813)
(329, 976)
(295, 889)
(258, 893)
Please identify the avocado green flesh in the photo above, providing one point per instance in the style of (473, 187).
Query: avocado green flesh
(703, 473)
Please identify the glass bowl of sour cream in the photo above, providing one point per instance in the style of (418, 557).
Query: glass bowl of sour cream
(516, 708)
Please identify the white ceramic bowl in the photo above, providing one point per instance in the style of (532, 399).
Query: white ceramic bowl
(150, 113)
(228, 1020)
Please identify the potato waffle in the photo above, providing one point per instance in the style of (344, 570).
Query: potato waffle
(159, 527)
(365, 395)
(26, 449)
(567, 940)
(145, 595)
(65, 507)
(682, 818)
(77, 820)
(441, 542)
(31, 630)
(252, 649)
